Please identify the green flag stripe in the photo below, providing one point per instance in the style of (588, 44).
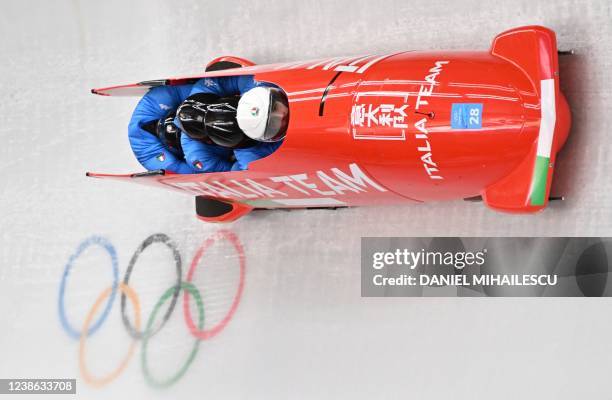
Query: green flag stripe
(540, 177)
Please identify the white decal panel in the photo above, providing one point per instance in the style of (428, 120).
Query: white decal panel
(384, 115)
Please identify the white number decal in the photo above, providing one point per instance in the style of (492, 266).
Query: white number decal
(474, 115)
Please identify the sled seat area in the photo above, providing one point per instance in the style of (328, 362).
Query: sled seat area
(533, 49)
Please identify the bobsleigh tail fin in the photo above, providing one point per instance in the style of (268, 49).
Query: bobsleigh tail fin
(533, 49)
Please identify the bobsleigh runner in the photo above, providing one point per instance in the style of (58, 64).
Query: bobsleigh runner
(395, 128)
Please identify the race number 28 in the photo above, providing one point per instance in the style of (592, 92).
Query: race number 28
(466, 116)
(474, 116)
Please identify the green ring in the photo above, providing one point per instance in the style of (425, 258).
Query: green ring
(145, 337)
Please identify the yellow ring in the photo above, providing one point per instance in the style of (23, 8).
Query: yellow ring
(87, 376)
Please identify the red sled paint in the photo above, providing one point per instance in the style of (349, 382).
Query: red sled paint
(395, 128)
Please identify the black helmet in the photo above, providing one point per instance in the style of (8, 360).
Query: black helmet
(205, 116)
(168, 132)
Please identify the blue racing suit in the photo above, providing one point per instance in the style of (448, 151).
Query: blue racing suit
(148, 148)
(211, 158)
(248, 154)
(153, 154)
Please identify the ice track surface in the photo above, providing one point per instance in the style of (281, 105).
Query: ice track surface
(280, 291)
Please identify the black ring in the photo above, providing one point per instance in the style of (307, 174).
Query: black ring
(155, 238)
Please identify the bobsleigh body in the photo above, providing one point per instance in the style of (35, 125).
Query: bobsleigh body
(395, 128)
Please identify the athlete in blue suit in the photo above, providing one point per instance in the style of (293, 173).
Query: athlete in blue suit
(209, 158)
(191, 156)
(148, 148)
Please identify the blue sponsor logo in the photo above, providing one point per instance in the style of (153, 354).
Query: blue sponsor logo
(466, 116)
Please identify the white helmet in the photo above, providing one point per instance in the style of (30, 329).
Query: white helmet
(263, 114)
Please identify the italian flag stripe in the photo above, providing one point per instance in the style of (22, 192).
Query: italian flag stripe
(539, 183)
(539, 180)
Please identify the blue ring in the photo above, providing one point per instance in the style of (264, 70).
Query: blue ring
(74, 333)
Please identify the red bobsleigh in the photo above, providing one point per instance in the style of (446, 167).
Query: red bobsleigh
(395, 128)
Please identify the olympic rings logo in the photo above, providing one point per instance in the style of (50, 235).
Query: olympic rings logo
(137, 330)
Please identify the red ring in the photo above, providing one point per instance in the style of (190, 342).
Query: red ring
(211, 332)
